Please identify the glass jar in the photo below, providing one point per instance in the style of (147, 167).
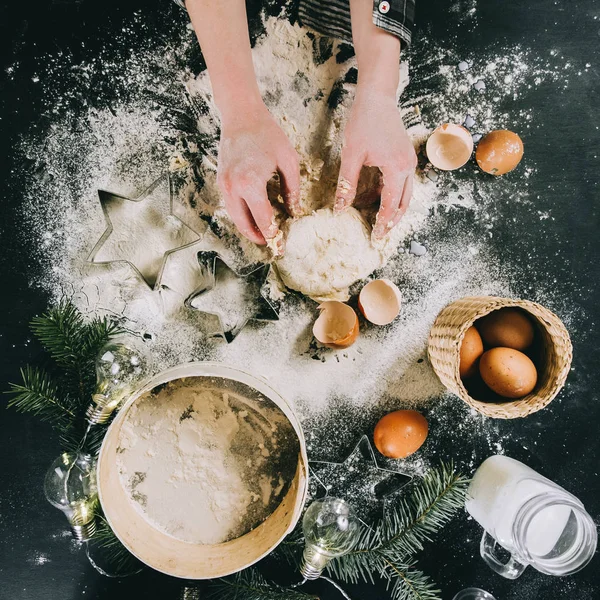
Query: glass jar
(536, 520)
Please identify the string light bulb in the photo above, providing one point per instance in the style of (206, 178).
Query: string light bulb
(330, 530)
(119, 367)
(70, 485)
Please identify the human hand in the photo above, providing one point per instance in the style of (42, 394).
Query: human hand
(375, 136)
(252, 148)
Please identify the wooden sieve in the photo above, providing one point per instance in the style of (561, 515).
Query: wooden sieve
(184, 559)
(447, 334)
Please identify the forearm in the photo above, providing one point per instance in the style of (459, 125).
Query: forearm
(377, 52)
(222, 30)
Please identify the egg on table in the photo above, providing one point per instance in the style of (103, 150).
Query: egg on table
(507, 327)
(400, 433)
(470, 351)
(508, 372)
(499, 152)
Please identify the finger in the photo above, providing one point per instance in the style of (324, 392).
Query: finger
(352, 163)
(242, 217)
(289, 173)
(258, 202)
(393, 187)
(404, 200)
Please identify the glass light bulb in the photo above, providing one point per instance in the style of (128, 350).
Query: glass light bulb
(330, 530)
(70, 486)
(119, 367)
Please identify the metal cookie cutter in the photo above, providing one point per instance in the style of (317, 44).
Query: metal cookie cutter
(234, 296)
(132, 222)
(357, 476)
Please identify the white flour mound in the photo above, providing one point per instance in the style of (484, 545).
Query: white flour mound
(204, 465)
(327, 252)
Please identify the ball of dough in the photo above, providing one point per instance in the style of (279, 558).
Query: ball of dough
(325, 253)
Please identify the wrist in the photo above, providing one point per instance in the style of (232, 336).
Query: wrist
(379, 64)
(369, 93)
(240, 105)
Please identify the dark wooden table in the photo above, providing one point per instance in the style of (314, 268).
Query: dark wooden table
(38, 563)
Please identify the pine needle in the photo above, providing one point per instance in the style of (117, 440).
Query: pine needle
(61, 395)
(39, 395)
(59, 331)
(387, 550)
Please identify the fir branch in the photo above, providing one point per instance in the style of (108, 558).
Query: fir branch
(251, 585)
(411, 584)
(71, 437)
(39, 395)
(59, 331)
(74, 344)
(290, 550)
(62, 395)
(387, 549)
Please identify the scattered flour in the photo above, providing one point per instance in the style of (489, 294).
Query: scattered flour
(168, 120)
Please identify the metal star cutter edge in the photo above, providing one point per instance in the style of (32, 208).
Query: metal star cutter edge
(364, 449)
(104, 197)
(268, 308)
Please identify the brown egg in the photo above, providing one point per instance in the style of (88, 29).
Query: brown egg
(507, 327)
(499, 152)
(401, 433)
(470, 351)
(508, 372)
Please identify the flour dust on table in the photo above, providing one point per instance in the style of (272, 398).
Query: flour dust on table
(168, 120)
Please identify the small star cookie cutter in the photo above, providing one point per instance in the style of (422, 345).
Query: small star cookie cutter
(359, 480)
(235, 296)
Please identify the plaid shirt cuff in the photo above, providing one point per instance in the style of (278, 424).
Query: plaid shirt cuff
(395, 17)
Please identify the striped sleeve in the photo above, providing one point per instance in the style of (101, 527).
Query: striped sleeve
(332, 17)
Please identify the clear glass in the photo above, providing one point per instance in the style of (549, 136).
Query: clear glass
(330, 530)
(473, 594)
(70, 485)
(536, 520)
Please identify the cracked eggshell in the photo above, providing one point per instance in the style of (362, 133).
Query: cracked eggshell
(337, 325)
(449, 147)
(379, 301)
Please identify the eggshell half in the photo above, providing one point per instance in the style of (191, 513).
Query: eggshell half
(449, 147)
(379, 301)
(337, 325)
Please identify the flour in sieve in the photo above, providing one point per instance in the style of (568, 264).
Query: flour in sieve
(204, 464)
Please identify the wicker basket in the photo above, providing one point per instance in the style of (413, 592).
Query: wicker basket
(447, 334)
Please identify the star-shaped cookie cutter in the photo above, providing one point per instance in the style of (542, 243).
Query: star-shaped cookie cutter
(254, 304)
(359, 480)
(176, 234)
